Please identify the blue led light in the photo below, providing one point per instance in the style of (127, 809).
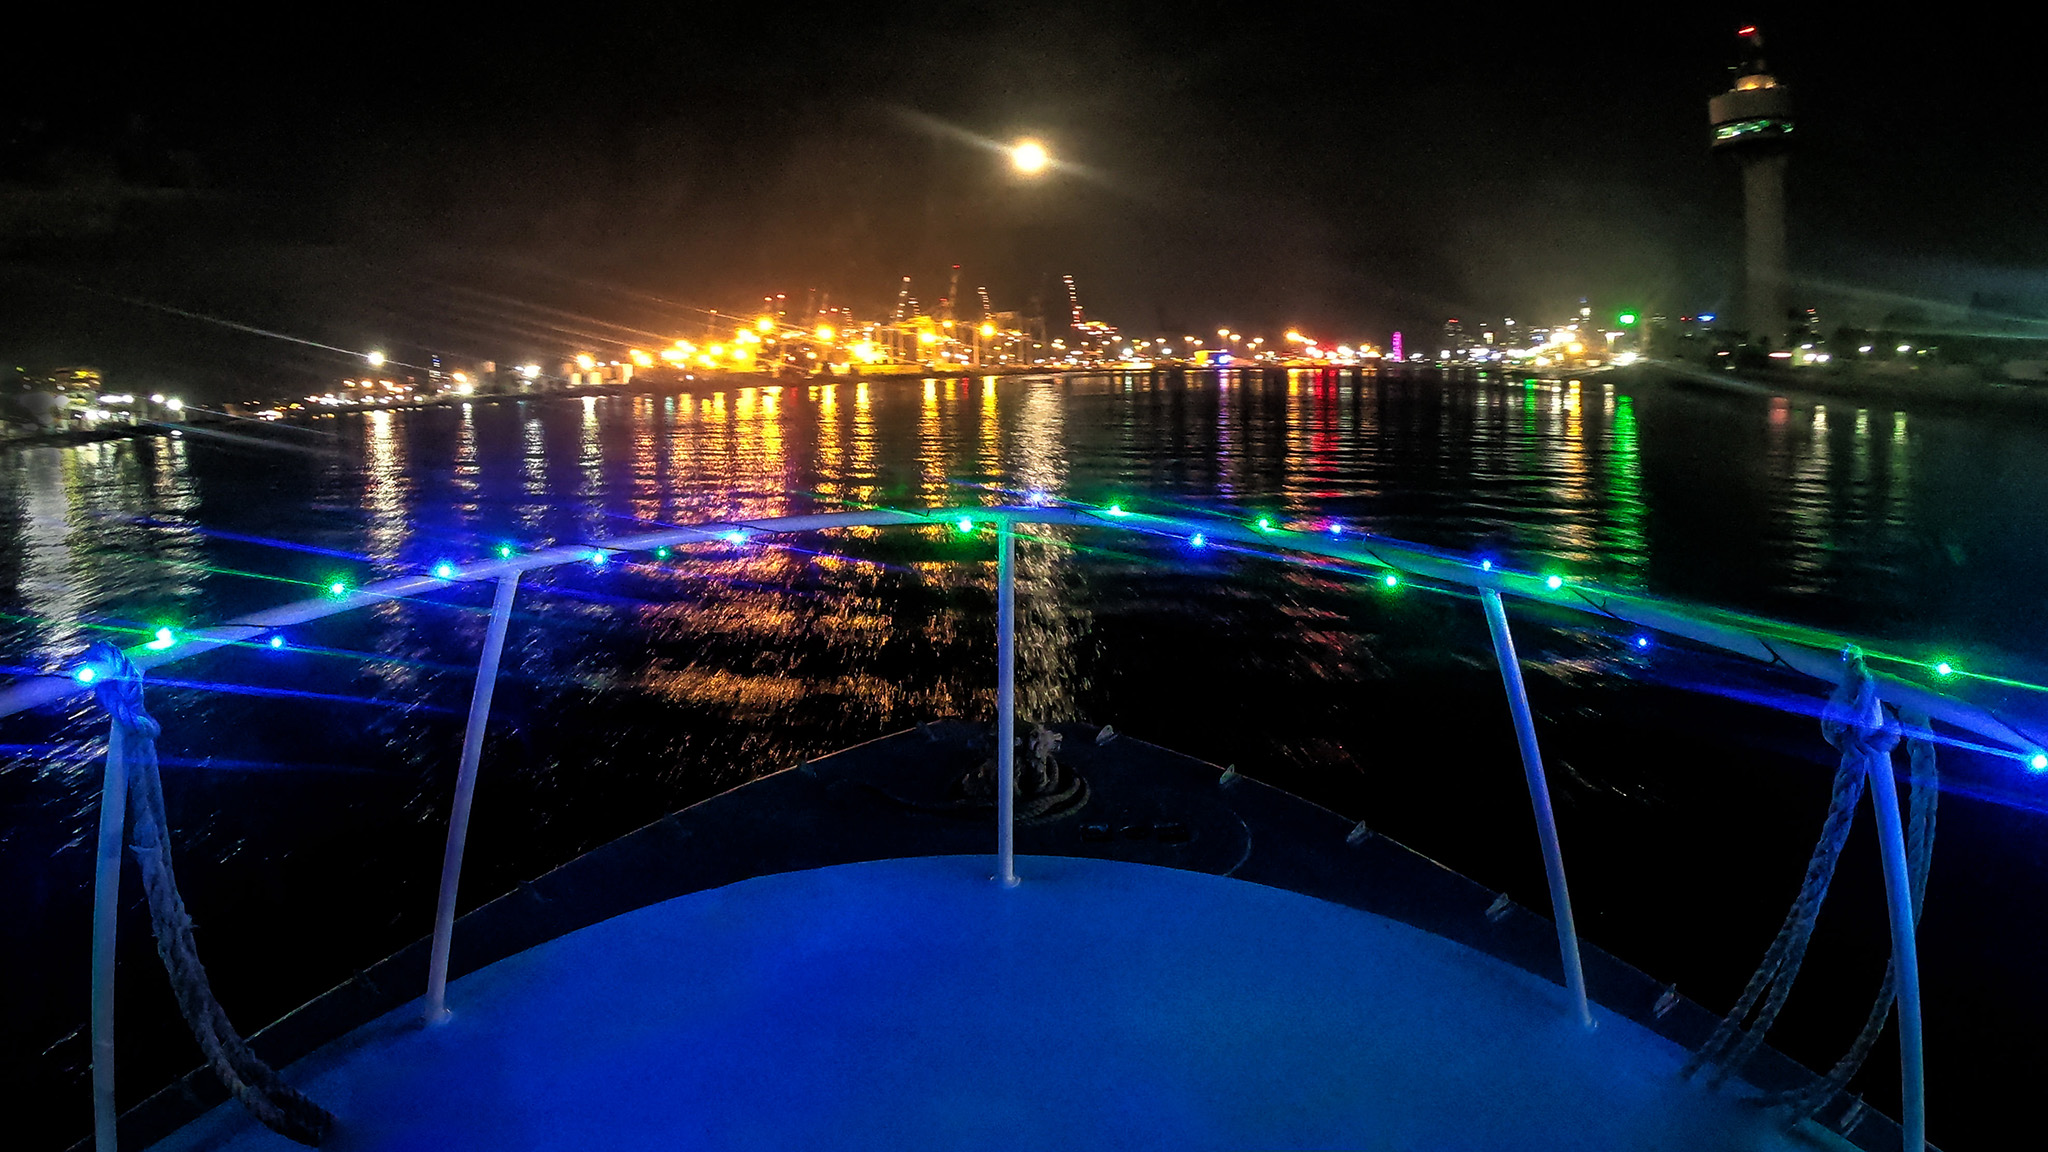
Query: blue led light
(1198, 540)
(444, 570)
(1336, 529)
(734, 537)
(1642, 641)
(277, 641)
(1706, 317)
(599, 558)
(1486, 565)
(86, 674)
(2038, 762)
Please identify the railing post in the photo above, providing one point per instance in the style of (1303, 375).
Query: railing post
(1898, 891)
(1539, 799)
(1006, 704)
(465, 789)
(106, 907)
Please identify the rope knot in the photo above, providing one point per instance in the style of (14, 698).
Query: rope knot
(1854, 719)
(118, 688)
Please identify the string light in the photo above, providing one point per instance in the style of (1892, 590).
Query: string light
(1642, 641)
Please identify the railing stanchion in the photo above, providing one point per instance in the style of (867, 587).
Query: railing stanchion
(1898, 891)
(106, 906)
(1006, 704)
(465, 789)
(1539, 798)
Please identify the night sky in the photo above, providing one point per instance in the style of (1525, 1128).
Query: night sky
(514, 185)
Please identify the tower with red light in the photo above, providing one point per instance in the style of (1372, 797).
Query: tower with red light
(1753, 123)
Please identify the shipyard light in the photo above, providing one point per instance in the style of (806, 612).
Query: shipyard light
(164, 639)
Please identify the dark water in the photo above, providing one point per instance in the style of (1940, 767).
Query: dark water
(309, 787)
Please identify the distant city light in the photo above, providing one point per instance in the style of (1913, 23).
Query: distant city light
(1029, 157)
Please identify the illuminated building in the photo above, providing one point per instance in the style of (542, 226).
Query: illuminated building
(1753, 123)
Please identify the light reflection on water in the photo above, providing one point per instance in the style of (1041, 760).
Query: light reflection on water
(632, 691)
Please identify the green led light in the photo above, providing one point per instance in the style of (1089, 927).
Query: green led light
(337, 589)
(1944, 668)
(1117, 510)
(1553, 582)
(1626, 318)
(661, 553)
(164, 639)
(504, 551)
(1391, 580)
(1265, 524)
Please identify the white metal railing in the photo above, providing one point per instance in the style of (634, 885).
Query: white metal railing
(1749, 636)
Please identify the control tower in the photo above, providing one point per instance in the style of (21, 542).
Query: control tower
(1753, 123)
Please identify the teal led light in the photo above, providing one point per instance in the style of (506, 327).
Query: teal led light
(444, 570)
(1553, 582)
(86, 674)
(1265, 524)
(1944, 668)
(337, 589)
(277, 641)
(1117, 510)
(966, 524)
(1198, 540)
(1391, 580)
(504, 551)
(661, 553)
(164, 639)
(734, 537)
(599, 558)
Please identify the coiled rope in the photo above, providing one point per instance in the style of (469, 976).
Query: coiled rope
(280, 1107)
(1856, 724)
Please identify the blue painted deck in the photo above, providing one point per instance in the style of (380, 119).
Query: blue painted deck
(911, 1004)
